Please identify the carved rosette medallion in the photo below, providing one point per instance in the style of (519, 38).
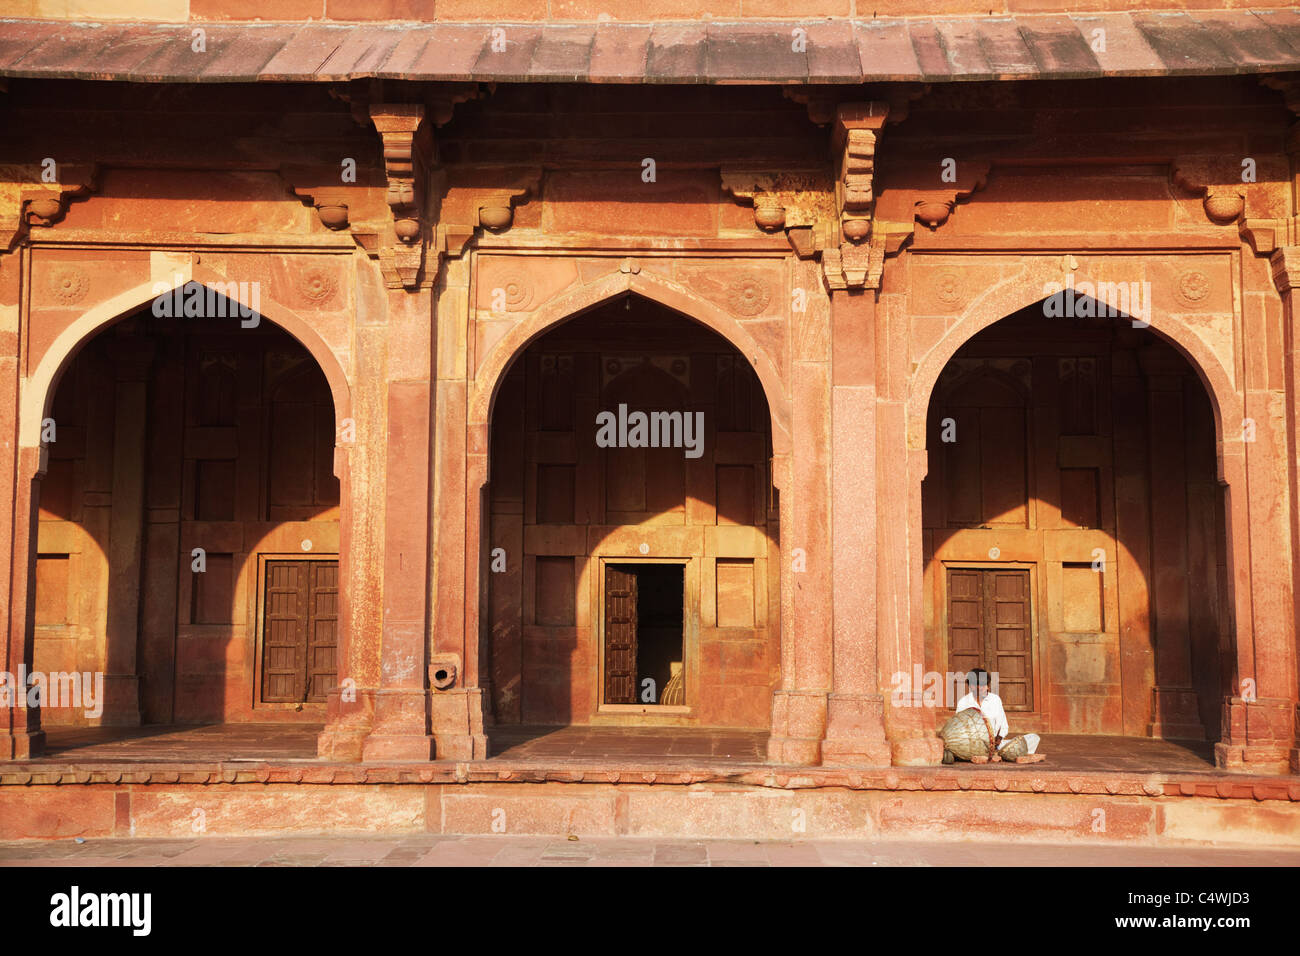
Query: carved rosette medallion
(68, 284)
(949, 289)
(1193, 287)
(748, 296)
(318, 285)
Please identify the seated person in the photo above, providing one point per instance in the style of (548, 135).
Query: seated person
(1021, 748)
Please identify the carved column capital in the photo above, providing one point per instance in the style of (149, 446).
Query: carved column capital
(1285, 263)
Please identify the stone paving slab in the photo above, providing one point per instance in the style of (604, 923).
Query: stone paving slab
(529, 851)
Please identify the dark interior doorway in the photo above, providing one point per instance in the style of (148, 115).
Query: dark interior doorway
(644, 627)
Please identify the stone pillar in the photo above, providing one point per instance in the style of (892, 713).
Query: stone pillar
(401, 724)
(20, 727)
(855, 722)
(804, 482)
(131, 364)
(21, 735)
(1262, 734)
(1174, 709)
(901, 467)
(359, 463)
(1259, 722)
(460, 473)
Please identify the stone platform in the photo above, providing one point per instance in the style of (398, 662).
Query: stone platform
(247, 780)
(563, 745)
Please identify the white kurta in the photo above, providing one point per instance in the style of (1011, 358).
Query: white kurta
(992, 709)
(996, 715)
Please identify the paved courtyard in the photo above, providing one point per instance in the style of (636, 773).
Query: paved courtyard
(505, 850)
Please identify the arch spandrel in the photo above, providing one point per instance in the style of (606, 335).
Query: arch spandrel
(493, 365)
(38, 388)
(1021, 291)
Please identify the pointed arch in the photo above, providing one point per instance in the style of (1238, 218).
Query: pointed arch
(1019, 293)
(501, 355)
(39, 387)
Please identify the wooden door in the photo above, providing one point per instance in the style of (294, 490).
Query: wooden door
(620, 636)
(300, 632)
(989, 627)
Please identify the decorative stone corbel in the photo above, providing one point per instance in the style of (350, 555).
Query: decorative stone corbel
(1266, 236)
(322, 187)
(853, 151)
(31, 202)
(480, 199)
(1285, 263)
(1217, 182)
(408, 154)
(791, 200)
(819, 101)
(822, 102)
(931, 207)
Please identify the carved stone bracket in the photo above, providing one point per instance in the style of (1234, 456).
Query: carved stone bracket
(860, 266)
(1217, 181)
(823, 102)
(400, 243)
(324, 189)
(1285, 263)
(29, 201)
(853, 152)
(820, 101)
(481, 199)
(788, 200)
(931, 207)
(1267, 235)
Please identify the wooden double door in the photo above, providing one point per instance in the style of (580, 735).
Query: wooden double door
(989, 626)
(300, 635)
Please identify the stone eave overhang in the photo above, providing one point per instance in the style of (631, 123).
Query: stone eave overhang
(1019, 47)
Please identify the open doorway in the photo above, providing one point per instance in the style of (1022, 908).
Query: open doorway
(644, 634)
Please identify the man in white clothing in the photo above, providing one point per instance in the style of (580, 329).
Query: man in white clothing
(1022, 748)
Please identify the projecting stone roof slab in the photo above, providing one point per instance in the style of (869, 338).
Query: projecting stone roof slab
(768, 51)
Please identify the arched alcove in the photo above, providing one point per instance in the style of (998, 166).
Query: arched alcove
(187, 547)
(578, 525)
(1074, 532)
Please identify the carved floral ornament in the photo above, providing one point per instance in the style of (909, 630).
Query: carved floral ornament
(1193, 287)
(67, 284)
(318, 285)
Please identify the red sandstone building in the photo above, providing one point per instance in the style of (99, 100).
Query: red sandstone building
(986, 321)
